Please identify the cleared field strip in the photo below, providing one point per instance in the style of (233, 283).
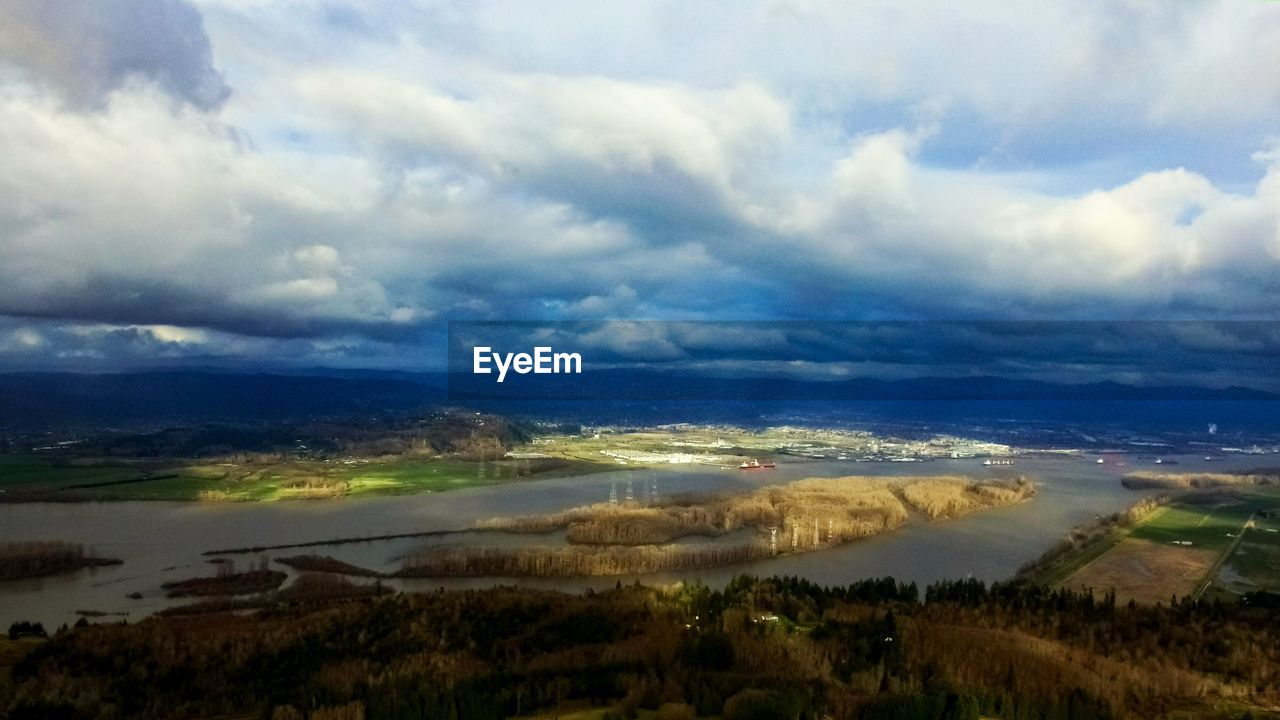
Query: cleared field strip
(1082, 558)
(1145, 572)
(1175, 551)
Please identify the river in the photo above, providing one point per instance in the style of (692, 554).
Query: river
(163, 541)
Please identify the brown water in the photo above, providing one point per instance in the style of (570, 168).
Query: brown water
(162, 541)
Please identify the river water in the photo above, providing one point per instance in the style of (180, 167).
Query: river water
(163, 541)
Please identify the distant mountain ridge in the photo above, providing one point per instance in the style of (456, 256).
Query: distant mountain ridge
(647, 385)
(170, 395)
(27, 398)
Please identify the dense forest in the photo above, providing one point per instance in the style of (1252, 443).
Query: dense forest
(760, 648)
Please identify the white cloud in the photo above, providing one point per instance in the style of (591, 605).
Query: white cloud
(317, 258)
(1165, 233)
(180, 335)
(21, 340)
(1131, 63)
(621, 303)
(382, 166)
(519, 129)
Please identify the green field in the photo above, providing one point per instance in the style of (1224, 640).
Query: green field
(45, 477)
(31, 477)
(1215, 523)
(30, 472)
(1209, 527)
(1254, 564)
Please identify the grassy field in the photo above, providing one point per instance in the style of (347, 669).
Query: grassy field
(1254, 564)
(35, 478)
(1146, 572)
(1210, 527)
(1072, 562)
(39, 473)
(1190, 546)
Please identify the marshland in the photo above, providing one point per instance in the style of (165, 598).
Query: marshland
(801, 516)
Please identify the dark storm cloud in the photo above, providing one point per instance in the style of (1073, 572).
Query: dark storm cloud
(1152, 353)
(89, 49)
(147, 301)
(38, 344)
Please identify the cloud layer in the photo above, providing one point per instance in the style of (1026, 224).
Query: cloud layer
(327, 183)
(88, 50)
(1152, 353)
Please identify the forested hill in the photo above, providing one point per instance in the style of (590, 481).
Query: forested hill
(761, 649)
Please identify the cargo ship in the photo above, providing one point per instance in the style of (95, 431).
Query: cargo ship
(754, 464)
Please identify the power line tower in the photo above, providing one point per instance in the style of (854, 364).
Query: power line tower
(773, 540)
(613, 493)
(631, 493)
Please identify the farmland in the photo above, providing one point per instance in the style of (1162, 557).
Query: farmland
(1199, 543)
(30, 477)
(1254, 564)
(451, 451)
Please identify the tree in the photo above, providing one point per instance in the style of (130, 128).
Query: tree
(25, 628)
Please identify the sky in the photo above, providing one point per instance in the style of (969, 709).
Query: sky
(281, 183)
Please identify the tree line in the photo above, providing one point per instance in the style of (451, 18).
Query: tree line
(781, 647)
